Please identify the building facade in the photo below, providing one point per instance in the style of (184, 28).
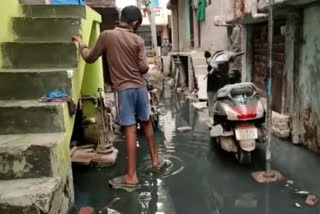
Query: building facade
(242, 25)
(296, 60)
(190, 33)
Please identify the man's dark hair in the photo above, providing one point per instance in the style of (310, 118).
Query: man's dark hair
(131, 14)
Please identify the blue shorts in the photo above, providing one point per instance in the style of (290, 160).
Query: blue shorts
(133, 104)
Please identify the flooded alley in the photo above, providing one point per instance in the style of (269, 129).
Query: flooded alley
(201, 178)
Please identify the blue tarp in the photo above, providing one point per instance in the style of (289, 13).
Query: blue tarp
(68, 2)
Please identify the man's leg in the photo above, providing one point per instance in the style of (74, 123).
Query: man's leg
(148, 131)
(143, 114)
(126, 110)
(131, 138)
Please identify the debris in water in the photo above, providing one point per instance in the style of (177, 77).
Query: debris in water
(303, 192)
(184, 129)
(290, 182)
(87, 210)
(200, 105)
(85, 155)
(312, 200)
(298, 205)
(264, 177)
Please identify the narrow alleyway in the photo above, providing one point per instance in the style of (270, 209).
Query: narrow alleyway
(202, 179)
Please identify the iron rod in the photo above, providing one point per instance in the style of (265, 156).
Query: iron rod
(269, 87)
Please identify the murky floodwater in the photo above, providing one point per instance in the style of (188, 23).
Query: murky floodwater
(201, 178)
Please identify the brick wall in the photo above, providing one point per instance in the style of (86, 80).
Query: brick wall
(260, 60)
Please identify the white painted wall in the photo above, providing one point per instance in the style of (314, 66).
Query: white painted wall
(124, 3)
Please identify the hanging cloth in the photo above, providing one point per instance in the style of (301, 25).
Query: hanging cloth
(201, 12)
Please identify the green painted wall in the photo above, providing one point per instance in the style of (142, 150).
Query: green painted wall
(86, 78)
(8, 9)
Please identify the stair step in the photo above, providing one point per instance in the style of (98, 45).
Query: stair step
(46, 29)
(35, 83)
(29, 155)
(54, 11)
(36, 2)
(31, 196)
(31, 116)
(39, 55)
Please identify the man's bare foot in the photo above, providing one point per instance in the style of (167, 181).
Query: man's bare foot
(131, 180)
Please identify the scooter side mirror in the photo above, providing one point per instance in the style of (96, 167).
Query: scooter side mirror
(207, 54)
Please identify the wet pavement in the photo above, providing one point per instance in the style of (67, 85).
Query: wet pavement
(201, 179)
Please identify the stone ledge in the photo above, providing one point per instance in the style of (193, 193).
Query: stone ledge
(36, 82)
(31, 196)
(31, 116)
(29, 155)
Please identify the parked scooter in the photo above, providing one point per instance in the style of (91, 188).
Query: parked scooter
(238, 111)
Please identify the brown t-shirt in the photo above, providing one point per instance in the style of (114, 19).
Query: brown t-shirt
(126, 57)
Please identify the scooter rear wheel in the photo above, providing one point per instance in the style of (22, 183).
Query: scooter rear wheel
(244, 157)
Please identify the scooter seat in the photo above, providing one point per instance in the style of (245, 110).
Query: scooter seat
(236, 89)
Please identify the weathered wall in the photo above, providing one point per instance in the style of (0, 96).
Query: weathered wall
(310, 79)
(260, 57)
(184, 25)
(8, 9)
(213, 37)
(174, 26)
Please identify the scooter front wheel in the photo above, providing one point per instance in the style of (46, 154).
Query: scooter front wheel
(244, 157)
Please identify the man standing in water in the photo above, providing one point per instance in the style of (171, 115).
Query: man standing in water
(127, 62)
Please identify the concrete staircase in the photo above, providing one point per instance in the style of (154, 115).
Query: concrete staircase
(35, 167)
(199, 65)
